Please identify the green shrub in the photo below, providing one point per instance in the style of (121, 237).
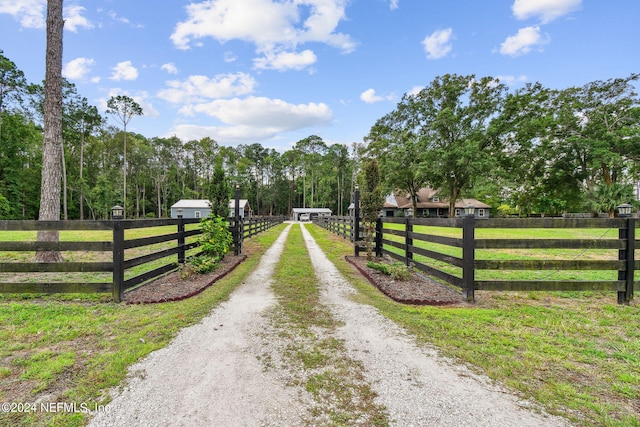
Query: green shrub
(397, 270)
(216, 239)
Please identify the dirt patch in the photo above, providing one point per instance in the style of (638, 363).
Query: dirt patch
(174, 287)
(417, 290)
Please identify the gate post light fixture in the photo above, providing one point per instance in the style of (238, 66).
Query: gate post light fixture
(117, 212)
(624, 210)
(469, 210)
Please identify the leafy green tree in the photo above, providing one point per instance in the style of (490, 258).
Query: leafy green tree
(123, 109)
(219, 193)
(371, 201)
(595, 137)
(400, 153)
(449, 129)
(313, 148)
(13, 86)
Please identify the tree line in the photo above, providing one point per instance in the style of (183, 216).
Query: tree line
(532, 151)
(155, 171)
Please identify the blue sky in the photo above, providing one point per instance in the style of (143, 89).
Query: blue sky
(275, 72)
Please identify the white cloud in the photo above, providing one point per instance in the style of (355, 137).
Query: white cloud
(523, 41)
(369, 96)
(73, 18)
(512, 80)
(198, 89)
(286, 60)
(30, 13)
(393, 4)
(253, 119)
(546, 10)
(269, 24)
(266, 113)
(77, 69)
(124, 71)
(170, 68)
(438, 44)
(415, 90)
(230, 57)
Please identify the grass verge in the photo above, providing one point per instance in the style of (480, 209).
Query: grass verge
(578, 356)
(314, 356)
(73, 352)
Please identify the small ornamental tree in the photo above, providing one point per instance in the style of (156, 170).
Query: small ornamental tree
(215, 241)
(371, 201)
(219, 193)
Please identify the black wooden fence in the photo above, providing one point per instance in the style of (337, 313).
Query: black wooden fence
(108, 257)
(454, 260)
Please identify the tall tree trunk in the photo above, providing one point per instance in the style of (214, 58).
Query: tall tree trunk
(52, 142)
(81, 176)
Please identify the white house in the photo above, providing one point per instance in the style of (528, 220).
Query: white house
(245, 209)
(200, 208)
(191, 208)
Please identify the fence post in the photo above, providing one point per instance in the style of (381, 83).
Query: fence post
(237, 236)
(379, 237)
(627, 233)
(355, 231)
(468, 257)
(118, 259)
(408, 241)
(180, 239)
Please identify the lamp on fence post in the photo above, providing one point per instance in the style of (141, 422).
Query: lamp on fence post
(624, 210)
(627, 233)
(117, 212)
(469, 211)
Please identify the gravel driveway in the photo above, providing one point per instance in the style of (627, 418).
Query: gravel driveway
(213, 373)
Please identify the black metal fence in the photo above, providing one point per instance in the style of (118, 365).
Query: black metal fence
(113, 264)
(456, 261)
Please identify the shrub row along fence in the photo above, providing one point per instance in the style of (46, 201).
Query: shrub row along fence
(120, 254)
(518, 254)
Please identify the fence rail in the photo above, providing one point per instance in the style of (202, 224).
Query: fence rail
(118, 256)
(421, 243)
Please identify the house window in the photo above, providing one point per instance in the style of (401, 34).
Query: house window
(197, 214)
(457, 212)
(436, 198)
(481, 213)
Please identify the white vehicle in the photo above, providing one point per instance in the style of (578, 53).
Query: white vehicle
(304, 217)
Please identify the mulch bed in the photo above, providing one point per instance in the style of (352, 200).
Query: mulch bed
(173, 287)
(417, 290)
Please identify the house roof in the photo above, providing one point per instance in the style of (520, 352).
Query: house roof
(244, 203)
(192, 203)
(425, 201)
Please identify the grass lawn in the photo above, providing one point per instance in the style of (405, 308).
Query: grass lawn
(90, 256)
(578, 354)
(72, 349)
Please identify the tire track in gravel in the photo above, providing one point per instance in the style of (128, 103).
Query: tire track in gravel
(417, 387)
(211, 373)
